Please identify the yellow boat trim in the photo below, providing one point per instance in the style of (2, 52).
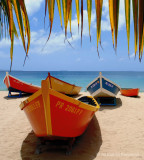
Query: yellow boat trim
(31, 98)
(46, 102)
(94, 101)
(74, 101)
(62, 96)
(62, 86)
(35, 95)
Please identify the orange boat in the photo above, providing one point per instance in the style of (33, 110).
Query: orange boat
(15, 85)
(51, 113)
(131, 92)
(63, 87)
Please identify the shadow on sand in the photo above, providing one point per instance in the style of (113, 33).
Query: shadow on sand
(15, 96)
(118, 104)
(86, 147)
(131, 96)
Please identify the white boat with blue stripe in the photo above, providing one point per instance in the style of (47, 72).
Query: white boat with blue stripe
(103, 87)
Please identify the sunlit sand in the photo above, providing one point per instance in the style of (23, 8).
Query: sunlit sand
(116, 132)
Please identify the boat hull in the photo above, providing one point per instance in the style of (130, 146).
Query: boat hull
(15, 85)
(130, 92)
(51, 113)
(102, 87)
(63, 87)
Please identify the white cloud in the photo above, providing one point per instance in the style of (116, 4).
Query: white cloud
(132, 55)
(105, 24)
(85, 23)
(56, 42)
(39, 38)
(121, 15)
(33, 6)
(5, 42)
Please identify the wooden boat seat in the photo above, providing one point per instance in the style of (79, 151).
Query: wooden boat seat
(87, 100)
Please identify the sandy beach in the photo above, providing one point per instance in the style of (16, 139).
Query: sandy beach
(115, 133)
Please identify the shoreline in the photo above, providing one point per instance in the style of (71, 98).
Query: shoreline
(116, 132)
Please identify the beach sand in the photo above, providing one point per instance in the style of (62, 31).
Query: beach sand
(115, 133)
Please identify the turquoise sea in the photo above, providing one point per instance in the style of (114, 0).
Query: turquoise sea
(125, 79)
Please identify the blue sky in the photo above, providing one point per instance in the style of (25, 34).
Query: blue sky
(57, 55)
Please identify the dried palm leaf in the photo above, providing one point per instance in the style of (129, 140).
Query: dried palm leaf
(68, 10)
(51, 4)
(116, 18)
(11, 28)
(20, 22)
(135, 17)
(98, 4)
(89, 9)
(111, 15)
(59, 9)
(141, 23)
(26, 23)
(127, 15)
(70, 18)
(81, 20)
(64, 12)
(77, 10)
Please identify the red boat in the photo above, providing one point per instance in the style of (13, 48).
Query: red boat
(131, 92)
(15, 85)
(53, 114)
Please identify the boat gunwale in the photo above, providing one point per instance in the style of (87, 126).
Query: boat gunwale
(39, 92)
(29, 99)
(63, 81)
(130, 89)
(105, 79)
(92, 81)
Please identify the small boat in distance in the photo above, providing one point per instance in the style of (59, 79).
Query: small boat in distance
(53, 114)
(62, 86)
(130, 92)
(102, 87)
(15, 85)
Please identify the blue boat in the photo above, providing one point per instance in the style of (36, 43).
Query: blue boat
(103, 87)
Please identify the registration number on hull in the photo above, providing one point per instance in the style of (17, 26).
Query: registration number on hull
(69, 108)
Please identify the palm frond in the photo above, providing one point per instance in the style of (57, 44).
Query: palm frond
(70, 19)
(135, 17)
(98, 4)
(51, 5)
(116, 19)
(89, 9)
(20, 21)
(141, 22)
(111, 15)
(127, 15)
(7, 10)
(81, 20)
(77, 10)
(59, 9)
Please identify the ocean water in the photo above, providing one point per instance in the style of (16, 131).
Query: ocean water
(125, 79)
